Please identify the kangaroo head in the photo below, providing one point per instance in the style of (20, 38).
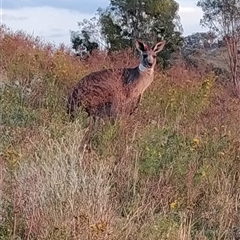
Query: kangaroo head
(148, 55)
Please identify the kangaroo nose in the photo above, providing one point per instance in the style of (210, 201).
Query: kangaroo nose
(150, 64)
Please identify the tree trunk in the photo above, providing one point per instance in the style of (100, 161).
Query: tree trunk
(232, 50)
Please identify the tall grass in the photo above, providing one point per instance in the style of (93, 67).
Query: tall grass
(171, 171)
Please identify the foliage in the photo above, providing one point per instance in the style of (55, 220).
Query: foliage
(87, 39)
(223, 17)
(112, 31)
(124, 21)
(82, 42)
(200, 39)
(220, 16)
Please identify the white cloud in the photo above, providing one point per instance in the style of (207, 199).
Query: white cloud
(6, 17)
(188, 9)
(190, 19)
(54, 24)
(50, 23)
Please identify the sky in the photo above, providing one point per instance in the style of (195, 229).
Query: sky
(52, 20)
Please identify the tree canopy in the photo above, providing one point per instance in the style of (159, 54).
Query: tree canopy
(87, 39)
(124, 21)
(223, 17)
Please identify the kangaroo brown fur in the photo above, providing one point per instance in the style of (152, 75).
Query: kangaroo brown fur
(113, 92)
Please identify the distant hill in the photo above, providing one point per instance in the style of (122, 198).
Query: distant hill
(206, 53)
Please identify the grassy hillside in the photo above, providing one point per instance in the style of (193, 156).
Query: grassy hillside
(171, 171)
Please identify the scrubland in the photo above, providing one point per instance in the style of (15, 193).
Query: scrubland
(170, 171)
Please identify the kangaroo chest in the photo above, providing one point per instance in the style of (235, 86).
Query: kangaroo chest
(142, 84)
(145, 82)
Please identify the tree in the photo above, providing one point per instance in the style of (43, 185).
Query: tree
(115, 39)
(211, 37)
(82, 44)
(86, 40)
(199, 39)
(149, 20)
(223, 18)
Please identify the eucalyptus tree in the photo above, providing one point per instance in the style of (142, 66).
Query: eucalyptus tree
(223, 18)
(124, 21)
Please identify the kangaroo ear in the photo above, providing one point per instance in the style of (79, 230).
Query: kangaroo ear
(158, 46)
(141, 46)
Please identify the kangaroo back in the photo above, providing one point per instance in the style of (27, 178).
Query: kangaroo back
(99, 93)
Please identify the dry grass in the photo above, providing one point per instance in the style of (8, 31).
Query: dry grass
(171, 171)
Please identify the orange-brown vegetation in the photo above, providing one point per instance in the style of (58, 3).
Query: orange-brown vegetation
(170, 171)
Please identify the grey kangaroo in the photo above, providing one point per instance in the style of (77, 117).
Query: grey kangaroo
(115, 92)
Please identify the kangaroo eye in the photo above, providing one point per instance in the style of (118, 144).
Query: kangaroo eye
(154, 56)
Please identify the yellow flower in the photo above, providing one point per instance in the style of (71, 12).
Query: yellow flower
(93, 227)
(99, 227)
(196, 141)
(173, 204)
(203, 174)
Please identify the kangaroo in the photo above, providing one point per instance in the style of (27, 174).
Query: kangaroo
(113, 92)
